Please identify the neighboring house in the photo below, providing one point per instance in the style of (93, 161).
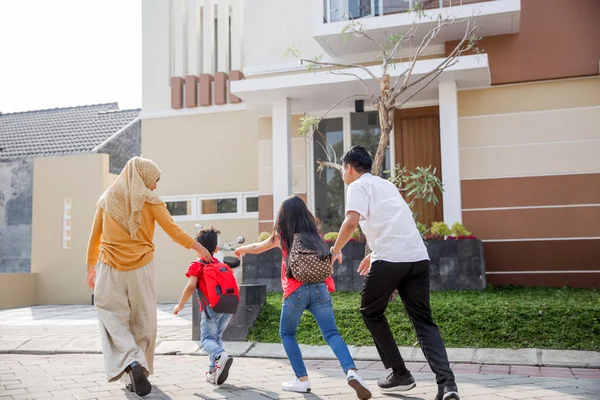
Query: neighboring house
(513, 132)
(49, 161)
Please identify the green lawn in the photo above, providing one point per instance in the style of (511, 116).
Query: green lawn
(508, 317)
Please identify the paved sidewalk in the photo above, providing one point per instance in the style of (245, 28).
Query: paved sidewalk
(182, 377)
(74, 329)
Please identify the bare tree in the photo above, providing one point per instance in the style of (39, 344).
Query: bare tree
(394, 92)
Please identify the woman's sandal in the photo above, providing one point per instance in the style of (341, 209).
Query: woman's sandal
(139, 382)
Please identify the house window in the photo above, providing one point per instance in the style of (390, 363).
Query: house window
(213, 206)
(251, 204)
(177, 208)
(219, 206)
(335, 135)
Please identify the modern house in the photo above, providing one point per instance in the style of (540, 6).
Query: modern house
(54, 164)
(512, 132)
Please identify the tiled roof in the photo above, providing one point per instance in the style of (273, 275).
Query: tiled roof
(60, 131)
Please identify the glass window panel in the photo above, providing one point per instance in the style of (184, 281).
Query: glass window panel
(219, 206)
(366, 132)
(177, 208)
(251, 204)
(329, 187)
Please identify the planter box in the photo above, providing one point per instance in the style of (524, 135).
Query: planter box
(265, 269)
(455, 265)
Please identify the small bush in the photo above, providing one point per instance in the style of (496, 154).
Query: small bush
(440, 229)
(263, 236)
(458, 230)
(422, 229)
(331, 236)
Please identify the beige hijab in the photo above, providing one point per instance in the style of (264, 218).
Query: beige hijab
(124, 200)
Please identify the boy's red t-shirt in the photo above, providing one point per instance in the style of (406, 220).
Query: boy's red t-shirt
(290, 285)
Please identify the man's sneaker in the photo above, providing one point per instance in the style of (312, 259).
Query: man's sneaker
(223, 363)
(355, 381)
(397, 383)
(211, 377)
(296, 386)
(448, 392)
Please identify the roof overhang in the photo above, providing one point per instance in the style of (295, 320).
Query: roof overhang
(318, 91)
(498, 17)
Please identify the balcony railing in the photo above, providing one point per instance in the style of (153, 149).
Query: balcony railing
(342, 10)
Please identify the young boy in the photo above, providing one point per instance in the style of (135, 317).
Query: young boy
(211, 329)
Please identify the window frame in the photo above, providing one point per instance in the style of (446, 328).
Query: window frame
(196, 204)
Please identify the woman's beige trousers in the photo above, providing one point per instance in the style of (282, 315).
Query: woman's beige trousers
(126, 305)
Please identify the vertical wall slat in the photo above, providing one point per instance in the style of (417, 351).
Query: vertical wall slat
(237, 34)
(223, 32)
(208, 37)
(194, 37)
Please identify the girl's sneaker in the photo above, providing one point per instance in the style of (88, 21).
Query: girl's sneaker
(356, 382)
(296, 386)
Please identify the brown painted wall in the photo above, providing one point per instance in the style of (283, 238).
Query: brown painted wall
(576, 280)
(543, 255)
(557, 39)
(531, 191)
(533, 223)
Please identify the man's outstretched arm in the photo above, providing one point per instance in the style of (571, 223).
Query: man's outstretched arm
(346, 230)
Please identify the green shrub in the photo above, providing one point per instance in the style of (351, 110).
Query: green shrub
(440, 229)
(459, 230)
(263, 236)
(330, 236)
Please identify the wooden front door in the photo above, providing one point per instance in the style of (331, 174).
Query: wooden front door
(417, 144)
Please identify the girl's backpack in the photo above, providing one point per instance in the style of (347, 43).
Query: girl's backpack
(307, 266)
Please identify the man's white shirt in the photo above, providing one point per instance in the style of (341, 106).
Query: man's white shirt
(386, 220)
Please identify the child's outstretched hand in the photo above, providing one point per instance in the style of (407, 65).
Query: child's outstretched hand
(177, 308)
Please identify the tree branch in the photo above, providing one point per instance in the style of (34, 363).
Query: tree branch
(418, 91)
(341, 101)
(442, 66)
(358, 78)
(327, 64)
(327, 164)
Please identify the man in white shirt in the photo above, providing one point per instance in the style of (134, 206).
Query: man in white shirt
(399, 261)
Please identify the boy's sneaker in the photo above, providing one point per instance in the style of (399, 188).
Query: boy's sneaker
(448, 392)
(355, 381)
(211, 377)
(296, 386)
(397, 383)
(223, 363)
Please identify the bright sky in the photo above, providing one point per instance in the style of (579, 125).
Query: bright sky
(61, 53)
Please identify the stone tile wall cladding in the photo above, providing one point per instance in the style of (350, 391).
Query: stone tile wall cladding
(124, 146)
(16, 196)
(455, 265)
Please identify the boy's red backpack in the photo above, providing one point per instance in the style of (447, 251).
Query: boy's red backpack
(222, 292)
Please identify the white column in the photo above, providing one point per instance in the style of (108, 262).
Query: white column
(208, 37)
(237, 35)
(180, 38)
(194, 37)
(282, 153)
(450, 152)
(223, 32)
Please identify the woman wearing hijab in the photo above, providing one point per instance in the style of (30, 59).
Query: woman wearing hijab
(120, 269)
